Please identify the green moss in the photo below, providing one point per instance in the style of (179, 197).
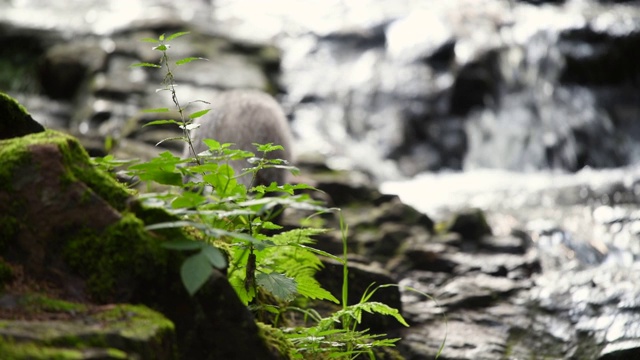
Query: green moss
(77, 159)
(123, 250)
(15, 155)
(11, 108)
(276, 341)
(38, 302)
(24, 351)
(124, 330)
(147, 320)
(15, 121)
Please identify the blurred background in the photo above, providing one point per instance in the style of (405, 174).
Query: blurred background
(453, 95)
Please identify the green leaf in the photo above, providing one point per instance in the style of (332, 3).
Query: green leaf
(238, 285)
(162, 177)
(161, 122)
(215, 256)
(149, 40)
(311, 288)
(145, 64)
(183, 245)
(188, 60)
(161, 47)
(380, 308)
(198, 114)
(188, 199)
(279, 285)
(267, 147)
(195, 272)
(177, 35)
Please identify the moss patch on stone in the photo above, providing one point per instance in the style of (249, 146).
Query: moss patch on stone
(15, 154)
(125, 250)
(14, 119)
(39, 302)
(276, 341)
(113, 332)
(20, 351)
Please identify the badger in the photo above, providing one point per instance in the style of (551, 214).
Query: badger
(244, 117)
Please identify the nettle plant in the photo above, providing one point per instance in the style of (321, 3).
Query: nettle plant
(271, 269)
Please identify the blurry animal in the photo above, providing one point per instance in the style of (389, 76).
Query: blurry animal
(244, 117)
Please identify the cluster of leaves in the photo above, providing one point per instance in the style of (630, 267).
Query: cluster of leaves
(270, 268)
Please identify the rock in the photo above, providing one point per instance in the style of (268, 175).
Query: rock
(48, 328)
(72, 227)
(21, 50)
(67, 65)
(470, 224)
(15, 121)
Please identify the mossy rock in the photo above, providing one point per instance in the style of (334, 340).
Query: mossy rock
(70, 225)
(48, 328)
(15, 121)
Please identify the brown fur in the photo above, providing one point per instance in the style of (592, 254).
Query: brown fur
(244, 117)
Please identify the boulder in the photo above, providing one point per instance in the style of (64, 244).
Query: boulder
(15, 120)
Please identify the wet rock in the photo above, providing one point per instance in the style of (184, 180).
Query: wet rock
(66, 66)
(471, 224)
(607, 45)
(21, 51)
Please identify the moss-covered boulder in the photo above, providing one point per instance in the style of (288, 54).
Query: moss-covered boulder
(15, 121)
(39, 327)
(71, 228)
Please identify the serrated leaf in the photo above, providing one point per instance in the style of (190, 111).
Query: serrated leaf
(177, 35)
(149, 40)
(195, 272)
(323, 253)
(198, 114)
(188, 60)
(215, 256)
(279, 285)
(145, 64)
(380, 308)
(311, 288)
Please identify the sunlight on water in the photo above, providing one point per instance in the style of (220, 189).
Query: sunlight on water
(438, 193)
